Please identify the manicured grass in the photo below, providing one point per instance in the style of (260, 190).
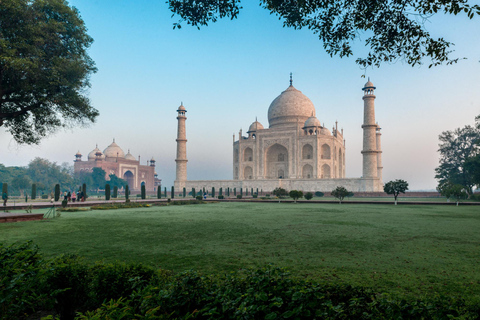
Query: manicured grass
(411, 250)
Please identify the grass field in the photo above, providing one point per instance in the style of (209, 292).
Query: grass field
(409, 250)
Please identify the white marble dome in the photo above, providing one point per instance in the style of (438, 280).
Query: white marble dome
(255, 126)
(312, 122)
(130, 156)
(92, 155)
(113, 151)
(289, 107)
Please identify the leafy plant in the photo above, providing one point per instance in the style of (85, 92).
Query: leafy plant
(319, 194)
(107, 192)
(57, 192)
(295, 195)
(280, 192)
(143, 191)
(340, 193)
(308, 195)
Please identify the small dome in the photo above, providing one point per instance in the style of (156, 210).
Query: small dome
(325, 132)
(92, 155)
(78, 154)
(255, 126)
(113, 151)
(130, 156)
(368, 85)
(289, 107)
(312, 122)
(182, 108)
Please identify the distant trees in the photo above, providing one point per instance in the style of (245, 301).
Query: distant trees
(395, 188)
(308, 195)
(459, 157)
(340, 193)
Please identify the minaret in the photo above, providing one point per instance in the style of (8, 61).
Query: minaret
(369, 132)
(181, 159)
(379, 154)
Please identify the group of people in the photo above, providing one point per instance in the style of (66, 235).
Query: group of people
(72, 196)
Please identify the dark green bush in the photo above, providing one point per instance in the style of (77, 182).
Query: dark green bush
(44, 196)
(221, 197)
(115, 192)
(127, 192)
(22, 272)
(239, 196)
(199, 197)
(255, 196)
(308, 195)
(107, 192)
(57, 192)
(143, 193)
(319, 194)
(34, 191)
(64, 203)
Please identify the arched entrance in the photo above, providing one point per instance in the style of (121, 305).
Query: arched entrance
(276, 162)
(128, 176)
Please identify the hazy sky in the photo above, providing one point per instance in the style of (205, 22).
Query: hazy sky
(228, 73)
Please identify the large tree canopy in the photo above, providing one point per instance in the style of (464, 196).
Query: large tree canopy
(458, 151)
(44, 68)
(393, 29)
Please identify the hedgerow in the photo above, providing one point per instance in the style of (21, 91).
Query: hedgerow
(72, 289)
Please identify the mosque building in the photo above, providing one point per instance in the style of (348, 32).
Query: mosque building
(113, 160)
(295, 152)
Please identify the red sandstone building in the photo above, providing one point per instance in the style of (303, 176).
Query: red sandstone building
(114, 161)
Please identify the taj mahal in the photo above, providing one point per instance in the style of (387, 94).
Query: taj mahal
(295, 152)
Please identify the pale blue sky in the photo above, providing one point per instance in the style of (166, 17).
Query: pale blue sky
(228, 73)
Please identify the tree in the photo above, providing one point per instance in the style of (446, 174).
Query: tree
(98, 178)
(46, 174)
(116, 181)
(34, 191)
(21, 183)
(107, 192)
(450, 190)
(295, 195)
(57, 192)
(44, 68)
(472, 166)
(280, 192)
(308, 195)
(127, 192)
(340, 193)
(319, 194)
(457, 148)
(143, 192)
(395, 187)
(392, 30)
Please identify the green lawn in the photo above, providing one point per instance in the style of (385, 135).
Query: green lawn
(407, 249)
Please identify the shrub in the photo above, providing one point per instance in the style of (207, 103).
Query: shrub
(280, 192)
(44, 196)
(34, 191)
(255, 196)
(221, 197)
(139, 195)
(107, 192)
(239, 196)
(143, 192)
(115, 192)
(127, 192)
(295, 195)
(159, 192)
(64, 203)
(199, 197)
(340, 193)
(308, 195)
(194, 194)
(57, 192)
(172, 192)
(319, 194)
(184, 192)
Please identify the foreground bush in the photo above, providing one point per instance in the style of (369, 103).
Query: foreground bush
(69, 288)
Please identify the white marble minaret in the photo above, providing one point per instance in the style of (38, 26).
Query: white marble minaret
(181, 159)
(369, 126)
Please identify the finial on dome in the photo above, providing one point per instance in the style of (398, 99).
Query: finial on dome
(181, 103)
(113, 139)
(291, 80)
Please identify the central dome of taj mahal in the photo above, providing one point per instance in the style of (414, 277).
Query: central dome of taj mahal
(290, 107)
